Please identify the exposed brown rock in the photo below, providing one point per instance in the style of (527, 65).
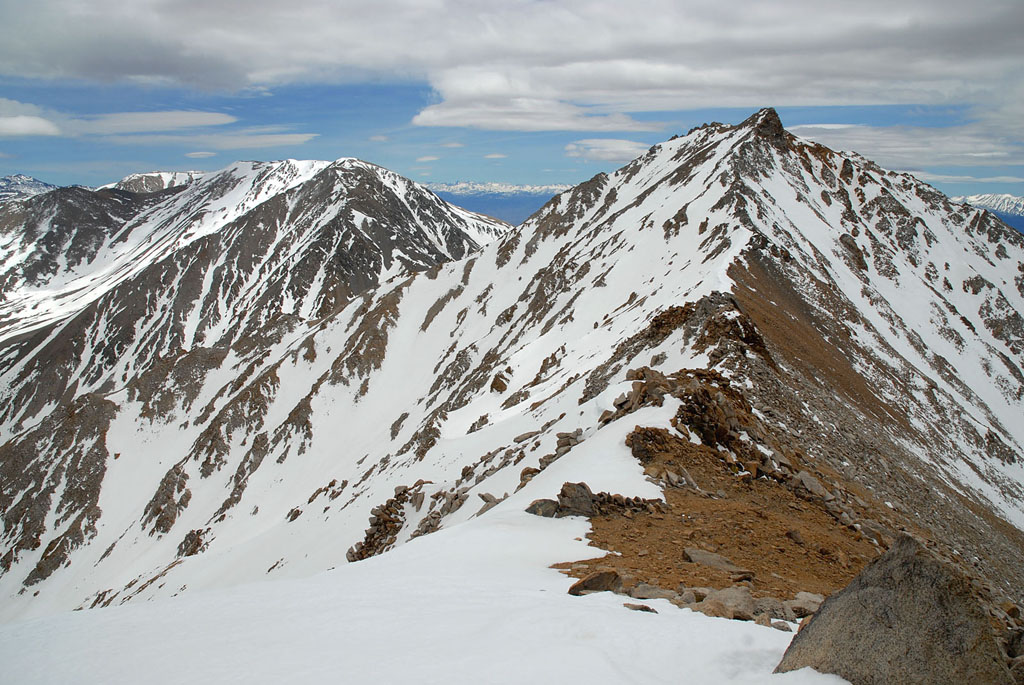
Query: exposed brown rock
(640, 607)
(600, 581)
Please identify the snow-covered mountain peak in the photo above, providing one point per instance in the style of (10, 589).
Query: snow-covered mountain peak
(63, 254)
(153, 181)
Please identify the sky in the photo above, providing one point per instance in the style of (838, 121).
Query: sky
(518, 92)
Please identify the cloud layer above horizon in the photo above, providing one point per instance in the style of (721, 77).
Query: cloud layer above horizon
(592, 66)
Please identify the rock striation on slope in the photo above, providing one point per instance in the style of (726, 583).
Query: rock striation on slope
(867, 328)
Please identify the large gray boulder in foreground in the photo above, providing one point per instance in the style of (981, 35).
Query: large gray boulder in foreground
(907, 618)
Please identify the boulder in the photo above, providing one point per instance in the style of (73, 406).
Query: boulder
(738, 599)
(543, 507)
(907, 618)
(645, 591)
(607, 580)
(804, 604)
(705, 558)
(795, 535)
(575, 499)
(773, 607)
(810, 484)
(713, 608)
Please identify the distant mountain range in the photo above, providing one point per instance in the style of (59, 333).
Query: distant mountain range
(505, 201)
(20, 185)
(1009, 208)
(154, 181)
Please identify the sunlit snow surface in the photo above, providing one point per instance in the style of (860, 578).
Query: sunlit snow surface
(474, 603)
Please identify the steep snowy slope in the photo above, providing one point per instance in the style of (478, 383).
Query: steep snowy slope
(867, 329)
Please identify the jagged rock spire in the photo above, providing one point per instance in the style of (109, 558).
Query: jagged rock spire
(766, 124)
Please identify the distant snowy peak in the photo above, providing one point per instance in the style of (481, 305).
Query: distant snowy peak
(996, 202)
(21, 186)
(154, 181)
(321, 232)
(473, 188)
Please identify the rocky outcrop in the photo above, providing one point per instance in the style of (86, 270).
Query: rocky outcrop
(386, 522)
(577, 499)
(908, 617)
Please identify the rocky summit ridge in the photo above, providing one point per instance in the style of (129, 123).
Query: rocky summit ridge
(741, 343)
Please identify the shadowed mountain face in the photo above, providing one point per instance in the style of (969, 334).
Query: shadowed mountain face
(206, 400)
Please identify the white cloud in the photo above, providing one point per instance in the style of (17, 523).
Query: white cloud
(379, 139)
(168, 127)
(606, 149)
(240, 140)
(972, 144)
(427, 158)
(25, 125)
(526, 114)
(454, 145)
(948, 178)
(200, 154)
(495, 155)
(141, 122)
(559, 64)
(10, 108)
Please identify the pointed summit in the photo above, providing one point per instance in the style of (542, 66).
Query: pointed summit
(766, 124)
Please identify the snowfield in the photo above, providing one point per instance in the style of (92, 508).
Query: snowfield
(473, 603)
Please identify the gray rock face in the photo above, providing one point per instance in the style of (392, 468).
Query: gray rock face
(576, 499)
(907, 618)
